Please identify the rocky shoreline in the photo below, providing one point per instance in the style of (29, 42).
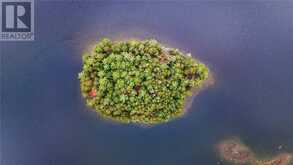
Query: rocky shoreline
(234, 151)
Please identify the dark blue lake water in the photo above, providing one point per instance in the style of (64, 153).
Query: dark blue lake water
(247, 45)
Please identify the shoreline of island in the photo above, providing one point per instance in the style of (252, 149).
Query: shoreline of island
(188, 100)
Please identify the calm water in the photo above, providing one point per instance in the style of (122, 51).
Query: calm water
(248, 46)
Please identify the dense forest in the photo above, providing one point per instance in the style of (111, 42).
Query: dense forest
(139, 81)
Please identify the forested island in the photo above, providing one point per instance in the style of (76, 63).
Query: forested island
(139, 81)
(234, 151)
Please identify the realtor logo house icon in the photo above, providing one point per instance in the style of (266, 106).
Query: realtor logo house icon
(17, 20)
(16, 17)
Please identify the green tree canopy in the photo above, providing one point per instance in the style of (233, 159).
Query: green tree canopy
(139, 81)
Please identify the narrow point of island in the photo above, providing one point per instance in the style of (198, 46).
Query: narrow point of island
(139, 81)
(234, 151)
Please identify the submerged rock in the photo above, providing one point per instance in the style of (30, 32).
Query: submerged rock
(234, 151)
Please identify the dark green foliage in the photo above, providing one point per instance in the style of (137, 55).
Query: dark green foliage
(139, 81)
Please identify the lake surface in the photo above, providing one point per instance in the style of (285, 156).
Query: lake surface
(247, 45)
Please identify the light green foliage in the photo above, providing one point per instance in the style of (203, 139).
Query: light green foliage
(139, 81)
